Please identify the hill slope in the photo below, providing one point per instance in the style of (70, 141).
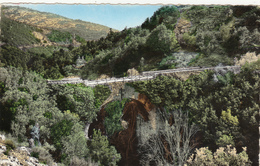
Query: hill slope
(43, 20)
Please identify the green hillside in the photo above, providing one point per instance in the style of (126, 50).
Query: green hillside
(172, 37)
(216, 34)
(86, 30)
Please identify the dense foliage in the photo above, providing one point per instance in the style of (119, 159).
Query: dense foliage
(101, 93)
(60, 37)
(61, 111)
(49, 67)
(167, 15)
(101, 151)
(227, 113)
(114, 111)
(217, 33)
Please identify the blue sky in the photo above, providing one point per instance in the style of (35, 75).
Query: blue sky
(114, 16)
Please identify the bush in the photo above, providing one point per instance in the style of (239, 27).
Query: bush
(80, 39)
(76, 143)
(194, 60)
(168, 63)
(42, 153)
(154, 139)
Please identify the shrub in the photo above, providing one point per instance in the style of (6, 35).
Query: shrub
(42, 153)
(76, 143)
(168, 63)
(228, 118)
(194, 60)
(249, 57)
(80, 39)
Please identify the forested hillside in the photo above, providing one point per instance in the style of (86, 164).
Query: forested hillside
(209, 118)
(49, 21)
(172, 37)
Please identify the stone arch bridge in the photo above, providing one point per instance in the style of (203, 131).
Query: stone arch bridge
(146, 75)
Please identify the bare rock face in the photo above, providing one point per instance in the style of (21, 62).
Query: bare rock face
(125, 141)
(147, 103)
(16, 158)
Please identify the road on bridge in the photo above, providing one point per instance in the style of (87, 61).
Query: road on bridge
(147, 75)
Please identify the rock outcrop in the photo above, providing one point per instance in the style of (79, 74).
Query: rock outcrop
(17, 157)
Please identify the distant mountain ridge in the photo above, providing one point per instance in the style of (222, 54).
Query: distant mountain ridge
(49, 21)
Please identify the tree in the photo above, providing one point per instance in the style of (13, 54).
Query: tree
(223, 156)
(162, 91)
(26, 102)
(114, 112)
(142, 64)
(162, 40)
(167, 15)
(77, 99)
(101, 93)
(206, 100)
(101, 151)
(166, 139)
(75, 144)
